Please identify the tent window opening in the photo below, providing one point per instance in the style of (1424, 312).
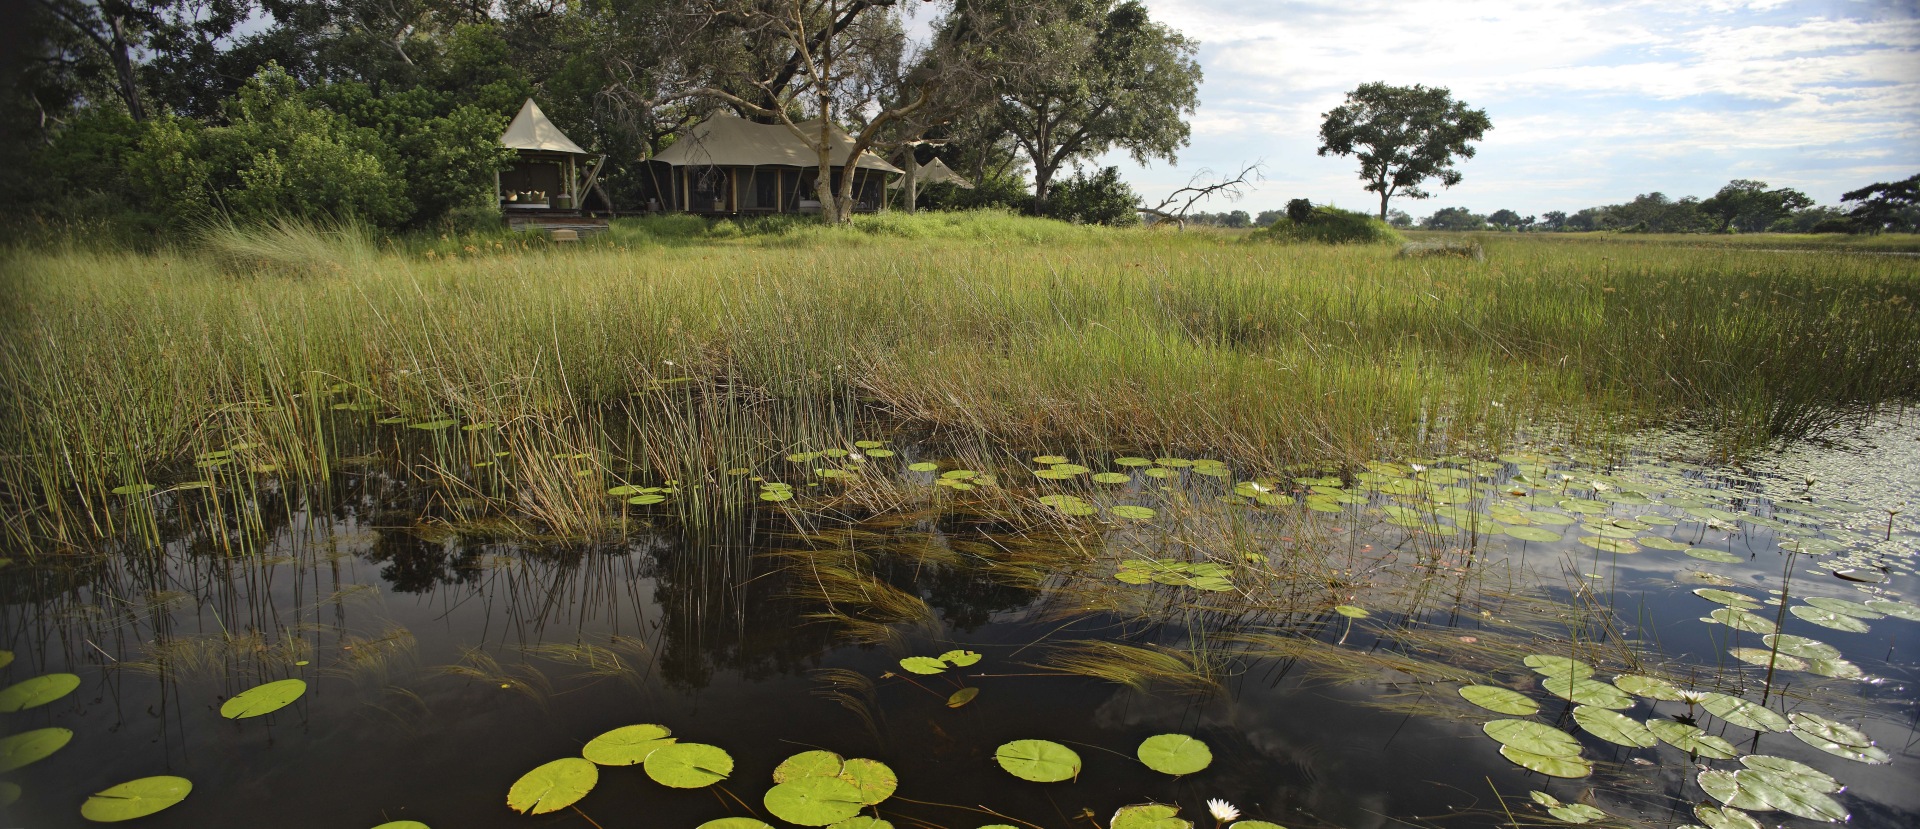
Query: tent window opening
(766, 189)
(708, 187)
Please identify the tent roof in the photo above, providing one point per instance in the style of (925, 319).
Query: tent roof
(726, 140)
(934, 172)
(531, 130)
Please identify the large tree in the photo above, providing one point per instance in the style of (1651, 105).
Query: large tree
(1886, 205)
(1404, 135)
(1749, 207)
(1077, 78)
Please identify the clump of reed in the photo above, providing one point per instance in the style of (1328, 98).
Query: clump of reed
(688, 360)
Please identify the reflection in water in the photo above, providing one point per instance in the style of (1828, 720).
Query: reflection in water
(446, 654)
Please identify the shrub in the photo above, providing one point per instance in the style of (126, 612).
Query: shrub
(1100, 199)
(1300, 211)
(1330, 226)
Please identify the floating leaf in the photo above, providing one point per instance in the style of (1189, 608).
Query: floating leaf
(553, 786)
(1647, 686)
(735, 823)
(263, 699)
(875, 780)
(1149, 816)
(433, 425)
(1132, 461)
(409, 824)
(38, 691)
(135, 798)
(1112, 477)
(923, 665)
(133, 489)
(1727, 597)
(1549, 765)
(1724, 787)
(1902, 610)
(1784, 792)
(923, 466)
(627, 745)
(1806, 777)
(862, 822)
(1801, 646)
(1614, 727)
(689, 765)
(1717, 556)
(1844, 607)
(962, 697)
(1549, 665)
(1738, 619)
(1174, 754)
(960, 658)
(1133, 512)
(27, 747)
(1828, 618)
(1533, 737)
(1041, 761)
(808, 764)
(1500, 700)
(1576, 813)
(1586, 691)
(1525, 533)
(813, 801)
(1728, 818)
(1351, 611)
(1691, 739)
(1743, 713)
(1836, 738)
(1762, 657)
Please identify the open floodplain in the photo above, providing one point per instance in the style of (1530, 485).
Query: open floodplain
(958, 521)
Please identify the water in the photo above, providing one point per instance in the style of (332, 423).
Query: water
(443, 665)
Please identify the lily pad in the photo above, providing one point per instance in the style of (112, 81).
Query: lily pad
(809, 764)
(923, 665)
(1801, 646)
(1717, 556)
(38, 691)
(1744, 713)
(1149, 816)
(1041, 761)
(553, 786)
(409, 824)
(1549, 765)
(627, 745)
(1784, 792)
(1691, 739)
(1500, 700)
(1550, 665)
(962, 697)
(1174, 754)
(1763, 657)
(814, 801)
(960, 658)
(923, 466)
(689, 765)
(1845, 607)
(1529, 533)
(133, 489)
(1647, 686)
(1716, 817)
(735, 823)
(1902, 610)
(263, 699)
(27, 747)
(1828, 618)
(875, 780)
(1133, 512)
(135, 799)
(1614, 727)
(1533, 737)
(433, 425)
(1350, 611)
(1576, 813)
(1587, 692)
(1836, 738)
(1738, 619)
(1111, 477)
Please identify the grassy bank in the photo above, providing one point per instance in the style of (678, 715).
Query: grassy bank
(1831, 242)
(687, 349)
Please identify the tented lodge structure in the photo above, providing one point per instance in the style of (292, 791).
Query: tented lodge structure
(544, 186)
(729, 166)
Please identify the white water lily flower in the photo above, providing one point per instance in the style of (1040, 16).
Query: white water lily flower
(1417, 467)
(1222, 810)
(1693, 697)
(1256, 487)
(856, 456)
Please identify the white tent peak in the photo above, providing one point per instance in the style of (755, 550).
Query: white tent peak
(933, 172)
(531, 130)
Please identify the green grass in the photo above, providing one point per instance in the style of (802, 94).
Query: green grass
(1882, 243)
(990, 329)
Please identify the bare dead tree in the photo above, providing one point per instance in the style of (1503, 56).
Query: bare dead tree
(1200, 189)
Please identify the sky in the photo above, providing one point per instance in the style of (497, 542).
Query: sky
(1592, 101)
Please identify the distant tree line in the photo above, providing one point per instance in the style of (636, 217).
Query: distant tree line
(165, 113)
(1742, 206)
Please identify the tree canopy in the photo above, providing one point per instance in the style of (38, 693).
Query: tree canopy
(1404, 136)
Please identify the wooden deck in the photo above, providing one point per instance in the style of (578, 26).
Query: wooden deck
(544, 221)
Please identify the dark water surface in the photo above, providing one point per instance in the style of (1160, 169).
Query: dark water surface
(442, 667)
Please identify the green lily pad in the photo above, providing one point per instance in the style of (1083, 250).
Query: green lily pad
(1727, 597)
(1350, 611)
(38, 691)
(1587, 692)
(133, 489)
(1656, 542)
(409, 824)
(433, 425)
(689, 765)
(553, 786)
(862, 822)
(1743, 713)
(735, 823)
(1174, 754)
(1763, 658)
(1647, 686)
(960, 658)
(1614, 727)
(263, 699)
(1500, 700)
(1837, 738)
(1691, 739)
(1529, 533)
(1844, 607)
(1533, 737)
(1716, 817)
(1801, 646)
(1784, 792)
(923, 665)
(627, 745)
(809, 764)
(1550, 665)
(1133, 512)
(1805, 776)
(1041, 761)
(1149, 816)
(814, 801)
(875, 780)
(1609, 545)
(135, 799)
(1547, 764)
(1738, 619)
(1828, 618)
(962, 697)
(1901, 610)
(1716, 556)
(1111, 477)
(1576, 813)
(923, 466)
(26, 747)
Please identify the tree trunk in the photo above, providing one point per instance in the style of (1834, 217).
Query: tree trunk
(912, 186)
(1383, 205)
(123, 66)
(1042, 182)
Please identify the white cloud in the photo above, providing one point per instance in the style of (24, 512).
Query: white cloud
(1592, 102)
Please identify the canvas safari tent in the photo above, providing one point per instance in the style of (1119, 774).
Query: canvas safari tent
(730, 166)
(931, 173)
(545, 175)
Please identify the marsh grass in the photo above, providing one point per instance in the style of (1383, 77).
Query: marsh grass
(677, 351)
